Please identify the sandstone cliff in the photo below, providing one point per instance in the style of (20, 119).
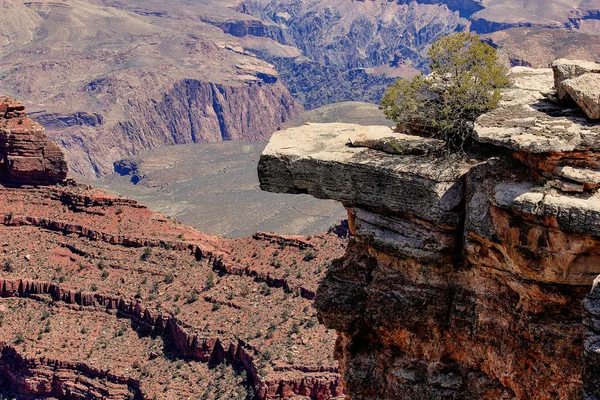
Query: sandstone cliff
(466, 278)
(27, 156)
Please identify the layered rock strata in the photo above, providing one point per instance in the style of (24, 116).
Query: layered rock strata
(27, 156)
(106, 249)
(465, 278)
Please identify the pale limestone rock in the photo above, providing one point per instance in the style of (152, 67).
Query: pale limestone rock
(585, 91)
(402, 144)
(567, 69)
(318, 160)
(526, 120)
(587, 176)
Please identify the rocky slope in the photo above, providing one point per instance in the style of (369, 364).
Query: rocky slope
(353, 50)
(465, 278)
(538, 47)
(101, 297)
(348, 50)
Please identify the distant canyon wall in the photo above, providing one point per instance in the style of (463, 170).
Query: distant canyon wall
(191, 111)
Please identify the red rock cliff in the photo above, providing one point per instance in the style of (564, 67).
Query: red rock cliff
(27, 156)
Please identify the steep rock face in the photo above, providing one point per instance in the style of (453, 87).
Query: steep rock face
(191, 111)
(465, 280)
(27, 156)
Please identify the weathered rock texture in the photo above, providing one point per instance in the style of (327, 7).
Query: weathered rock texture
(465, 279)
(580, 82)
(27, 156)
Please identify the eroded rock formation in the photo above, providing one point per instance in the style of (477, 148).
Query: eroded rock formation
(27, 156)
(98, 260)
(466, 278)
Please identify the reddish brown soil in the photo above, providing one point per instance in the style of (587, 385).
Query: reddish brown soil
(101, 296)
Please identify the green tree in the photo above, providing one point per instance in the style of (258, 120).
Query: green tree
(463, 84)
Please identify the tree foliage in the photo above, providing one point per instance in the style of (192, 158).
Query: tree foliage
(463, 84)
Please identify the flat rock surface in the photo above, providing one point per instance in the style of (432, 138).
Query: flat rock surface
(317, 159)
(526, 120)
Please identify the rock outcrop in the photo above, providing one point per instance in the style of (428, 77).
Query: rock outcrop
(579, 81)
(27, 156)
(466, 278)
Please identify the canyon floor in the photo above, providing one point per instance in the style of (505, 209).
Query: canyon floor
(214, 186)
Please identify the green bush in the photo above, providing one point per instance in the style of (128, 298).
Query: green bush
(146, 253)
(463, 84)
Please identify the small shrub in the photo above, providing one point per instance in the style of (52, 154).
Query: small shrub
(309, 256)
(210, 281)
(295, 329)
(19, 338)
(192, 297)
(146, 253)
(169, 278)
(8, 266)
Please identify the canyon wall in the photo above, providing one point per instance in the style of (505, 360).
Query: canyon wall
(190, 111)
(466, 277)
(135, 78)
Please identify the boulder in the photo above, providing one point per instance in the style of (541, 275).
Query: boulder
(585, 91)
(567, 69)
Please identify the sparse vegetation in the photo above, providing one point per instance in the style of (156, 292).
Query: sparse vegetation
(192, 297)
(309, 255)
(210, 281)
(463, 85)
(8, 265)
(295, 329)
(146, 253)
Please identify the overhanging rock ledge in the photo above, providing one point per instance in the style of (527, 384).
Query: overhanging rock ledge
(465, 279)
